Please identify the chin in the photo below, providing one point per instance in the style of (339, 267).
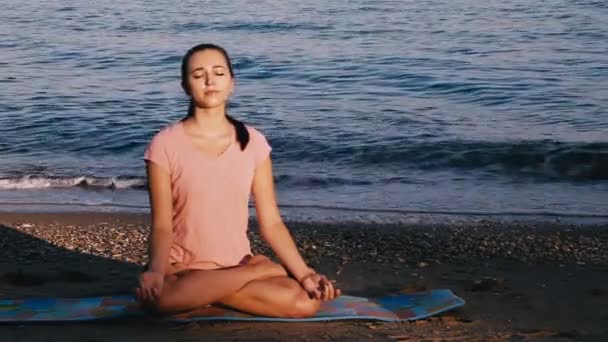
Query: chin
(211, 103)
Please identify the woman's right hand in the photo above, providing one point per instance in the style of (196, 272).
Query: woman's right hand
(150, 286)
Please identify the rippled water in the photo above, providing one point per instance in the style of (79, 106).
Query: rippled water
(386, 107)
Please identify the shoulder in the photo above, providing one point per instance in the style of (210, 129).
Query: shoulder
(255, 135)
(259, 146)
(164, 142)
(167, 133)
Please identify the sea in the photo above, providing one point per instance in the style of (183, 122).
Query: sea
(377, 111)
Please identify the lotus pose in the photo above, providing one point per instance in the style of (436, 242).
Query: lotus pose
(201, 171)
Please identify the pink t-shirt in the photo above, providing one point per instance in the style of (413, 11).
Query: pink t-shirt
(210, 196)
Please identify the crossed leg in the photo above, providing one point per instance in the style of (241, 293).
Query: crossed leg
(260, 287)
(279, 296)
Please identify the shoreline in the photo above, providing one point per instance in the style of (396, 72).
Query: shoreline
(520, 281)
(341, 216)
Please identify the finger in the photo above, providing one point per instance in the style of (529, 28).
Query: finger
(138, 293)
(157, 292)
(154, 292)
(150, 294)
(142, 295)
(332, 292)
(323, 292)
(318, 294)
(309, 290)
(336, 292)
(322, 289)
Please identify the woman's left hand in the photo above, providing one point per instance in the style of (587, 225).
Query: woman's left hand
(319, 287)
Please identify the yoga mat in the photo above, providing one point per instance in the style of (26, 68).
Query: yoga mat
(398, 307)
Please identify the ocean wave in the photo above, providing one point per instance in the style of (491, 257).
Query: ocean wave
(40, 182)
(544, 159)
(315, 181)
(549, 160)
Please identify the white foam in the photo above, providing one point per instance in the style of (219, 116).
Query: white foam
(36, 182)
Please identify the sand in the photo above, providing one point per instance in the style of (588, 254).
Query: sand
(521, 281)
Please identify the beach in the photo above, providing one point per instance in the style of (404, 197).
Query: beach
(520, 281)
(415, 145)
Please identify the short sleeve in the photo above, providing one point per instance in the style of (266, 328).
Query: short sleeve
(261, 147)
(157, 151)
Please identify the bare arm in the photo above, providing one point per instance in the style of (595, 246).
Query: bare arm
(272, 228)
(159, 187)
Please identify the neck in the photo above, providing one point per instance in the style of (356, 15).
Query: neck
(210, 120)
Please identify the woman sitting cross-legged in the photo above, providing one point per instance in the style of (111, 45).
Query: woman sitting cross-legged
(201, 171)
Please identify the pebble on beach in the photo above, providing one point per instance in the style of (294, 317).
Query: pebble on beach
(348, 243)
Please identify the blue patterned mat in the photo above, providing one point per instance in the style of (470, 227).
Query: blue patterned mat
(398, 307)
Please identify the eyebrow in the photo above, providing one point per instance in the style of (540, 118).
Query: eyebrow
(215, 66)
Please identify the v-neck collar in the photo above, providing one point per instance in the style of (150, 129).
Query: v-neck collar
(198, 150)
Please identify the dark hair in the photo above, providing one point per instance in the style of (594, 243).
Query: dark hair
(242, 134)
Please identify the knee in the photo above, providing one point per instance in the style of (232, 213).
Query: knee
(302, 306)
(163, 305)
(167, 303)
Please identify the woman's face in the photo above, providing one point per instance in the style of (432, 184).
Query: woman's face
(209, 79)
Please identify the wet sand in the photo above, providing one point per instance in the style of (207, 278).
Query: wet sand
(521, 281)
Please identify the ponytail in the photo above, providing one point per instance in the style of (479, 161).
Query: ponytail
(242, 134)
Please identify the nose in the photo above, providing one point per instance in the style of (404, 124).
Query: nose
(210, 79)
